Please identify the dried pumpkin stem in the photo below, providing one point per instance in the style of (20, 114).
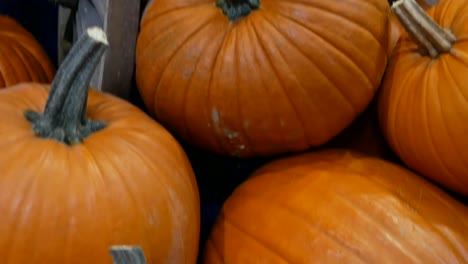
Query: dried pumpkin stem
(64, 118)
(235, 9)
(127, 255)
(430, 36)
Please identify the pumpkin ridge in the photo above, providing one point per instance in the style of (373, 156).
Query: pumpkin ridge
(195, 35)
(320, 230)
(244, 136)
(258, 241)
(9, 75)
(211, 84)
(267, 53)
(427, 129)
(458, 86)
(443, 64)
(170, 59)
(307, 56)
(332, 13)
(332, 46)
(33, 71)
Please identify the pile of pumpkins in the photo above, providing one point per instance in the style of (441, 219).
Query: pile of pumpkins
(84, 171)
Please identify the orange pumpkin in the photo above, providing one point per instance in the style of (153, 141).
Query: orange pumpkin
(265, 77)
(338, 207)
(90, 173)
(423, 104)
(22, 59)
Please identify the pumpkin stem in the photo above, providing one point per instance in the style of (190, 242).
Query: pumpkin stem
(235, 9)
(127, 255)
(430, 36)
(64, 118)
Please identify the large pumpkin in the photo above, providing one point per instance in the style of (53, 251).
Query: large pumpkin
(250, 77)
(338, 207)
(22, 59)
(423, 104)
(89, 174)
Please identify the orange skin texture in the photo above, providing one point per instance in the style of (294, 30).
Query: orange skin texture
(423, 103)
(128, 184)
(338, 207)
(22, 58)
(289, 76)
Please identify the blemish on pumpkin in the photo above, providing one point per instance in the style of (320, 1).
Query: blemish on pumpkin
(215, 116)
(282, 123)
(246, 124)
(230, 133)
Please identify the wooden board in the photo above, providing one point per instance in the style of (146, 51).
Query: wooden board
(120, 20)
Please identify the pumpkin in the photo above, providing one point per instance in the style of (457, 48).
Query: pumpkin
(423, 102)
(90, 172)
(337, 206)
(22, 58)
(252, 78)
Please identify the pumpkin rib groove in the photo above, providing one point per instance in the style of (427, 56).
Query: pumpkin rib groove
(9, 75)
(332, 13)
(322, 231)
(171, 59)
(364, 215)
(346, 100)
(458, 89)
(265, 54)
(189, 87)
(177, 20)
(33, 68)
(12, 230)
(39, 69)
(426, 128)
(278, 77)
(35, 74)
(100, 173)
(158, 15)
(16, 60)
(29, 191)
(42, 62)
(211, 83)
(270, 248)
(209, 242)
(457, 85)
(326, 40)
(394, 112)
(245, 135)
(168, 54)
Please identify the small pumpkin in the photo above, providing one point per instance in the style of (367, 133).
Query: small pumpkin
(338, 207)
(90, 172)
(22, 58)
(423, 102)
(257, 78)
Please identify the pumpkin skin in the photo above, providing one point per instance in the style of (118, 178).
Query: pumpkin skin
(129, 183)
(423, 107)
(22, 59)
(288, 76)
(338, 207)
